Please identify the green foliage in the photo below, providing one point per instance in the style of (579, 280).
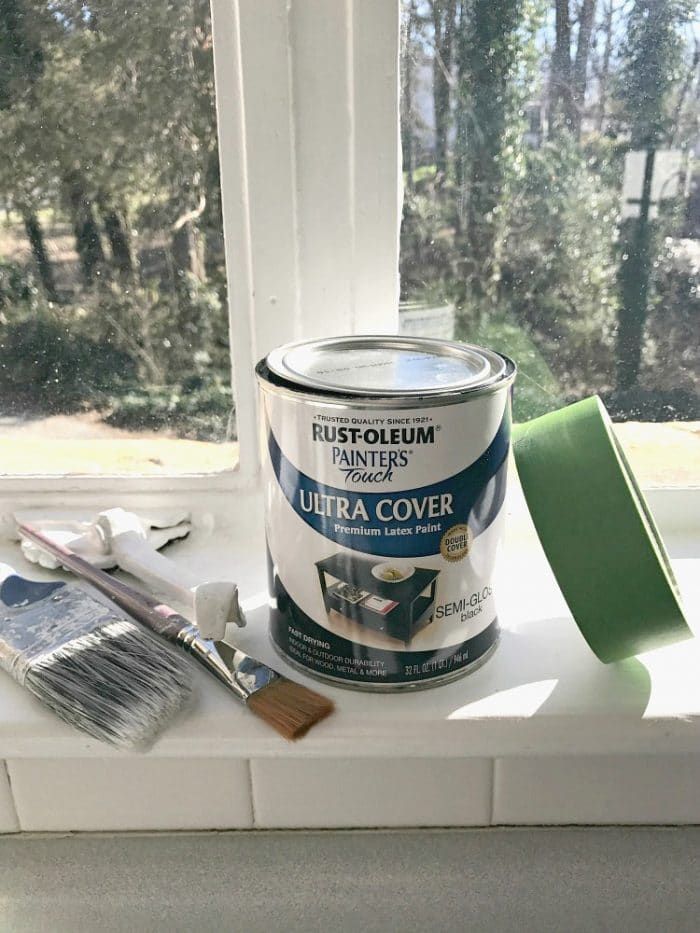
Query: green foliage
(537, 389)
(489, 55)
(199, 408)
(168, 334)
(17, 286)
(653, 56)
(48, 366)
(124, 98)
(108, 118)
(558, 279)
(525, 238)
(429, 252)
(652, 66)
(20, 52)
(148, 360)
(672, 335)
(557, 292)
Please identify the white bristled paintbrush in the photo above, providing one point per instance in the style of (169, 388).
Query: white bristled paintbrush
(97, 670)
(287, 706)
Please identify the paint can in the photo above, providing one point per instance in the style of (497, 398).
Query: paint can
(384, 463)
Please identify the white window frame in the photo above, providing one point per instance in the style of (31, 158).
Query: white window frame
(309, 137)
(308, 251)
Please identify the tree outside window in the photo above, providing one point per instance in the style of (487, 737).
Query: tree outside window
(517, 117)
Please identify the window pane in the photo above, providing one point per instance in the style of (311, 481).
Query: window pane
(113, 320)
(552, 194)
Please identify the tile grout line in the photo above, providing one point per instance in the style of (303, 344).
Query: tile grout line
(492, 799)
(6, 771)
(251, 792)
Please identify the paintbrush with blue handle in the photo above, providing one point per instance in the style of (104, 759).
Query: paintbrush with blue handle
(289, 707)
(95, 668)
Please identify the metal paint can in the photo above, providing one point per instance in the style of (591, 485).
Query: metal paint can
(385, 465)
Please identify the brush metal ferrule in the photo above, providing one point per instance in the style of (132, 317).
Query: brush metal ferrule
(238, 671)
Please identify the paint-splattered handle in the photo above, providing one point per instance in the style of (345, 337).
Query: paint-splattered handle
(160, 618)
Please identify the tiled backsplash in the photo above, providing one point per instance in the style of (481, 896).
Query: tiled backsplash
(184, 794)
(111, 794)
(595, 790)
(8, 817)
(296, 793)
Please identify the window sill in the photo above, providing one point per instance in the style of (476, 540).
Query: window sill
(542, 709)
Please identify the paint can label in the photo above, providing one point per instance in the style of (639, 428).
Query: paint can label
(382, 527)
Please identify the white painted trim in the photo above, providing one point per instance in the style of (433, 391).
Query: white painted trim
(676, 508)
(318, 103)
(345, 90)
(231, 120)
(378, 198)
(308, 95)
(270, 154)
(202, 494)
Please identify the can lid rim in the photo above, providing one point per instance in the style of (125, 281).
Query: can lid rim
(284, 366)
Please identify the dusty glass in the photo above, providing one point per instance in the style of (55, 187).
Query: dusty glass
(552, 195)
(113, 324)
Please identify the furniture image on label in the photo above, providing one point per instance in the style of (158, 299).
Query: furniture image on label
(399, 609)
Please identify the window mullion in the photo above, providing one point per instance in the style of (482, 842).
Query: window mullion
(317, 109)
(307, 95)
(235, 200)
(378, 189)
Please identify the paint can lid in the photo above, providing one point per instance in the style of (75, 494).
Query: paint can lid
(386, 367)
(597, 531)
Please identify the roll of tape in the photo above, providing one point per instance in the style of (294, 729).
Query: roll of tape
(597, 532)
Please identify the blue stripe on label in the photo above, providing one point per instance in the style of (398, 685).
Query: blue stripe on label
(408, 523)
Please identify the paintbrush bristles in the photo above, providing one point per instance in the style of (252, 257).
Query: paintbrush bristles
(289, 707)
(117, 683)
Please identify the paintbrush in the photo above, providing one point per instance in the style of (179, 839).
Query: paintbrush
(287, 706)
(94, 668)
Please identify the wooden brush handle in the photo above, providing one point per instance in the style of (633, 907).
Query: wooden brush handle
(146, 609)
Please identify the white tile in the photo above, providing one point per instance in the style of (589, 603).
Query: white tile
(131, 794)
(293, 793)
(649, 789)
(8, 817)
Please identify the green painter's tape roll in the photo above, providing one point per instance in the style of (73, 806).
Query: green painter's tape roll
(597, 532)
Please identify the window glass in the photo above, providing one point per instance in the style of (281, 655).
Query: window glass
(552, 194)
(114, 350)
